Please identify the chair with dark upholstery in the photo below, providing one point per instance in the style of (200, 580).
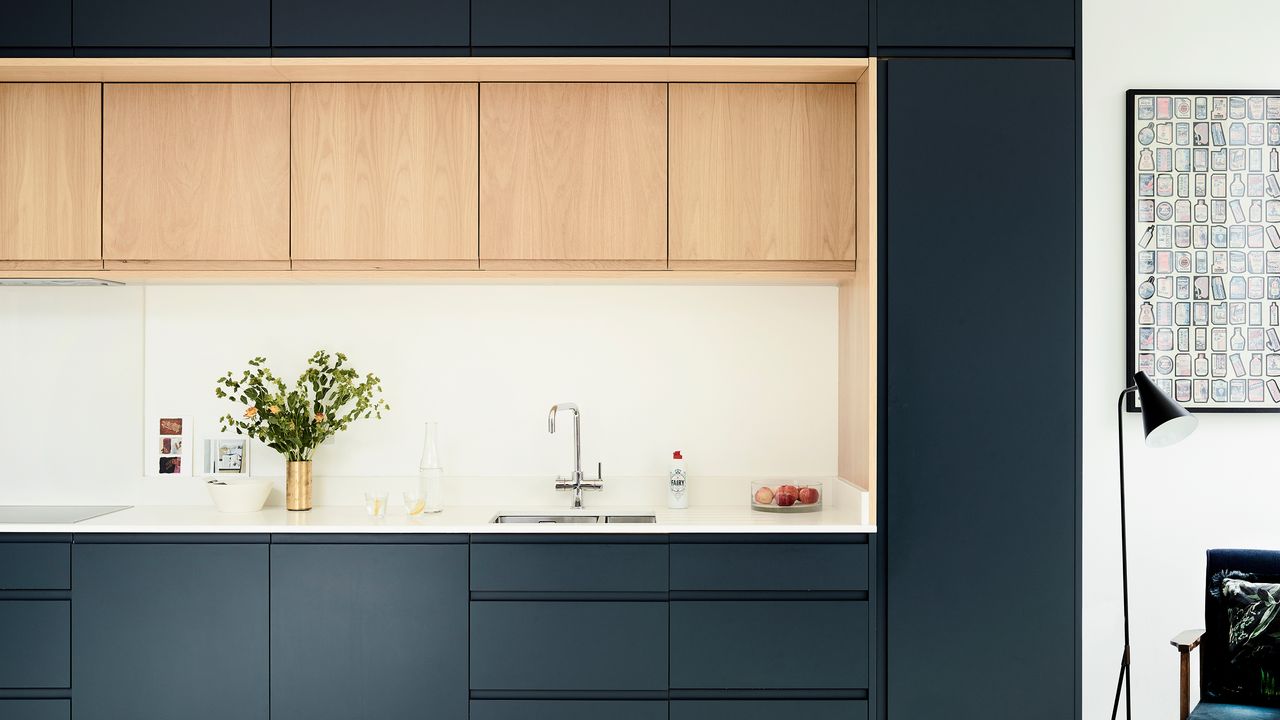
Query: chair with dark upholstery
(1240, 645)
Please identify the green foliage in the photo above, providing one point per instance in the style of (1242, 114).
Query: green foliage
(326, 399)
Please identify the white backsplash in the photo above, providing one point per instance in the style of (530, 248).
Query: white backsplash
(741, 378)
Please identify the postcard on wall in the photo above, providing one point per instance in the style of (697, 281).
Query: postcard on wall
(169, 441)
(1203, 246)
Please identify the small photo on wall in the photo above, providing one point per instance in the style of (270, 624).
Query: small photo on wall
(171, 465)
(170, 426)
(226, 456)
(168, 446)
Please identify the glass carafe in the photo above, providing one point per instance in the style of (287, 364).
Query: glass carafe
(430, 473)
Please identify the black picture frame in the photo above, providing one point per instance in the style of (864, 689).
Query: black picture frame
(1131, 358)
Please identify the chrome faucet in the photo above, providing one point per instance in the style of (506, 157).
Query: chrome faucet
(576, 483)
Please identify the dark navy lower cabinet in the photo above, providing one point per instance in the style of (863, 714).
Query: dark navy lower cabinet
(768, 710)
(173, 628)
(369, 629)
(976, 24)
(157, 27)
(30, 565)
(769, 644)
(362, 27)
(585, 24)
(35, 709)
(35, 644)
(568, 709)
(543, 645)
(725, 24)
(982, 512)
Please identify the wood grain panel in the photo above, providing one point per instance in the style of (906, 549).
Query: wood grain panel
(50, 174)
(384, 171)
(762, 172)
(573, 171)
(196, 172)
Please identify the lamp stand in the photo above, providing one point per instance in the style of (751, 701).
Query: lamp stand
(1125, 680)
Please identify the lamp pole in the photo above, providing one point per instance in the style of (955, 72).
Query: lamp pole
(1124, 569)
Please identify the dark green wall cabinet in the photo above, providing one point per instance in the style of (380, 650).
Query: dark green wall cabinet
(370, 630)
(976, 23)
(169, 630)
(172, 27)
(983, 512)
(837, 26)
(365, 27)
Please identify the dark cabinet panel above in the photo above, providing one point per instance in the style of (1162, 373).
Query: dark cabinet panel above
(976, 23)
(173, 23)
(370, 23)
(569, 23)
(769, 23)
(35, 23)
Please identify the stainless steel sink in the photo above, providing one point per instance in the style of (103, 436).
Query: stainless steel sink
(630, 519)
(538, 519)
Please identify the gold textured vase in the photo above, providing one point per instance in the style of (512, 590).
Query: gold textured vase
(297, 485)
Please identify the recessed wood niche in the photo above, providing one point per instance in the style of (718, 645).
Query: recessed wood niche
(469, 169)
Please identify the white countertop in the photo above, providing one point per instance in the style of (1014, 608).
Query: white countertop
(463, 519)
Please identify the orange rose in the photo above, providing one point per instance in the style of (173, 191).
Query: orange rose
(274, 409)
(250, 411)
(320, 417)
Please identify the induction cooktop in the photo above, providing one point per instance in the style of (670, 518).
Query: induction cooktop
(14, 514)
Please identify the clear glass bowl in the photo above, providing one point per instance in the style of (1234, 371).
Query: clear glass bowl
(786, 496)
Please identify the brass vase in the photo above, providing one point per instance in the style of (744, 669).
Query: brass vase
(297, 485)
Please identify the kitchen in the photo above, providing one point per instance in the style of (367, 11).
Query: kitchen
(675, 253)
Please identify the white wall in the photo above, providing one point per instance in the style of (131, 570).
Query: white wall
(743, 378)
(1221, 487)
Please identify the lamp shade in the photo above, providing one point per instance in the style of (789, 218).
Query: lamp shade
(1164, 421)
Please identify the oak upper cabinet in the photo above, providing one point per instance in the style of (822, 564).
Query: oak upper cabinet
(384, 175)
(50, 174)
(196, 176)
(762, 176)
(573, 175)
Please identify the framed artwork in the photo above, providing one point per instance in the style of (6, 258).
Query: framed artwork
(169, 438)
(1203, 245)
(226, 456)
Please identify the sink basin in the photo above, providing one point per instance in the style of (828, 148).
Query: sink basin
(630, 519)
(538, 519)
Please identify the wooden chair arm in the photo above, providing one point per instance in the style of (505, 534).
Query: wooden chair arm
(1185, 641)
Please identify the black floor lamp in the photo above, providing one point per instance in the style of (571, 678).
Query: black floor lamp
(1164, 423)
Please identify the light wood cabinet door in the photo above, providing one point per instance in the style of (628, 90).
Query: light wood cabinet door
(196, 175)
(762, 176)
(50, 175)
(573, 175)
(384, 175)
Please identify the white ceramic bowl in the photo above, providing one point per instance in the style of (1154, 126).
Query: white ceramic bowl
(240, 496)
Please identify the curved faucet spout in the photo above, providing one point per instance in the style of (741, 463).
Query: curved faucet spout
(551, 416)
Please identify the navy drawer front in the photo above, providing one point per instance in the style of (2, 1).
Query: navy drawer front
(35, 23)
(565, 567)
(769, 23)
(756, 645)
(35, 650)
(35, 566)
(370, 23)
(172, 23)
(569, 23)
(768, 710)
(35, 709)
(764, 567)
(547, 646)
(568, 709)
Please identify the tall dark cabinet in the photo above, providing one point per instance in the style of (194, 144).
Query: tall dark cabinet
(981, 236)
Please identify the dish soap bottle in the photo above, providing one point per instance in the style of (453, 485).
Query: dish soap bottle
(677, 483)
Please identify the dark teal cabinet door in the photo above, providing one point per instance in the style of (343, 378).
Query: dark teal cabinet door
(982, 459)
(172, 24)
(567, 646)
(976, 23)
(768, 710)
(568, 710)
(35, 644)
(35, 709)
(35, 565)
(570, 23)
(765, 645)
(166, 631)
(368, 631)
(345, 25)
(35, 24)
(769, 23)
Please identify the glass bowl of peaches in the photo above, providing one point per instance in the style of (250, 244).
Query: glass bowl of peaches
(785, 496)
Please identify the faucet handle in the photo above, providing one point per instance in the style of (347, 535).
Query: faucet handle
(599, 470)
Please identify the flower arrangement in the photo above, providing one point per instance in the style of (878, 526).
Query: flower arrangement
(327, 398)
